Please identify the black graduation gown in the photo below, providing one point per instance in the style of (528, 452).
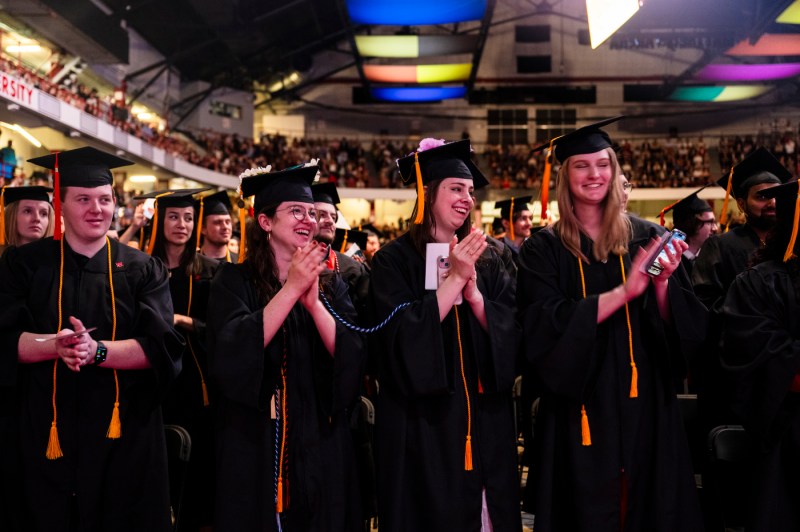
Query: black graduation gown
(762, 353)
(322, 480)
(577, 361)
(356, 275)
(184, 404)
(117, 484)
(421, 411)
(723, 257)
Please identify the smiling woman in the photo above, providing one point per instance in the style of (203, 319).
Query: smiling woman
(447, 368)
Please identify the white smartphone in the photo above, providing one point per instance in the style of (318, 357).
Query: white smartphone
(149, 208)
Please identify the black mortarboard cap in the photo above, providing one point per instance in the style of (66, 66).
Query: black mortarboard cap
(520, 204)
(757, 168)
(183, 197)
(325, 193)
(451, 159)
(216, 203)
(686, 207)
(586, 139)
(347, 236)
(273, 188)
(82, 167)
(37, 193)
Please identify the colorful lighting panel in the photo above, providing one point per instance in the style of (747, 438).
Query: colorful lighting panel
(791, 14)
(414, 12)
(607, 16)
(415, 46)
(749, 72)
(769, 44)
(418, 73)
(730, 93)
(417, 94)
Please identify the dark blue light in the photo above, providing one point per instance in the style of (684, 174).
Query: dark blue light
(417, 94)
(414, 12)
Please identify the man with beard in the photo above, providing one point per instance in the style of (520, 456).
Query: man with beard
(217, 227)
(724, 256)
(354, 273)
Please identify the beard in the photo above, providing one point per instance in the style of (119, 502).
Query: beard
(325, 238)
(761, 222)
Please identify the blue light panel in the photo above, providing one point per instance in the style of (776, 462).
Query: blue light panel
(417, 94)
(414, 12)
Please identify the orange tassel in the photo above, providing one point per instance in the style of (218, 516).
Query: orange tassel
(279, 503)
(468, 455)
(344, 243)
(199, 225)
(586, 435)
(420, 192)
(115, 427)
(53, 445)
(242, 230)
(634, 381)
(154, 230)
(511, 220)
(205, 393)
(723, 218)
(3, 216)
(790, 248)
(480, 386)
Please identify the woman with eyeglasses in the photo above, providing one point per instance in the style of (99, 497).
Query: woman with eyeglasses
(286, 371)
(446, 447)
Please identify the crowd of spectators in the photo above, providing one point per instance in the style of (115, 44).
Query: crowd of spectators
(783, 145)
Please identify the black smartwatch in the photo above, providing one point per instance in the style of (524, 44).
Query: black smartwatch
(101, 354)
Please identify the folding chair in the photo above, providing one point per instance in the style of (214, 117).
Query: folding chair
(729, 476)
(179, 450)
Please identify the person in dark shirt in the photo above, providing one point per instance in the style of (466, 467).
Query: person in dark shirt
(27, 215)
(696, 219)
(217, 227)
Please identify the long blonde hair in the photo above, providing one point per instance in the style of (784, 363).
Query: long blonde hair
(12, 235)
(615, 232)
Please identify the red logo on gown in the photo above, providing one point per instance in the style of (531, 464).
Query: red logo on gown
(119, 265)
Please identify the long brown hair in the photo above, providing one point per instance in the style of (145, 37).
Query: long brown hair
(189, 260)
(422, 234)
(12, 232)
(615, 233)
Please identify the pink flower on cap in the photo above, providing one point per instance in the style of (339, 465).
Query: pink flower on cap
(427, 144)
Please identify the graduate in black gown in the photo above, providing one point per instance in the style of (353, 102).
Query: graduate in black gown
(27, 215)
(188, 404)
(517, 220)
(92, 449)
(608, 344)
(695, 217)
(287, 373)
(761, 352)
(216, 227)
(446, 447)
(724, 257)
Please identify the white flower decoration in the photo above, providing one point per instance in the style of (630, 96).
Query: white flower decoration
(250, 172)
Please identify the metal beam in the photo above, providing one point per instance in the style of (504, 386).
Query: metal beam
(172, 59)
(200, 96)
(140, 91)
(482, 35)
(280, 93)
(351, 37)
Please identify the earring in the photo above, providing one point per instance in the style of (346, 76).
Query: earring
(269, 235)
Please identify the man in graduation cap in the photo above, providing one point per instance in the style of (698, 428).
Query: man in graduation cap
(695, 217)
(87, 331)
(724, 257)
(354, 273)
(217, 227)
(517, 220)
(761, 355)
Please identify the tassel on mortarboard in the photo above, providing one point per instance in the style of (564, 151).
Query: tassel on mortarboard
(344, 242)
(723, 218)
(544, 195)
(242, 229)
(154, 230)
(511, 220)
(420, 192)
(56, 201)
(199, 224)
(664, 211)
(586, 435)
(790, 248)
(3, 216)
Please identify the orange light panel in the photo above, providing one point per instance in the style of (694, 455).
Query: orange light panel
(768, 45)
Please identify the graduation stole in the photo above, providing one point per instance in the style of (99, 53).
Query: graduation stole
(282, 455)
(115, 427)
(586, 435)
(191, 349)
